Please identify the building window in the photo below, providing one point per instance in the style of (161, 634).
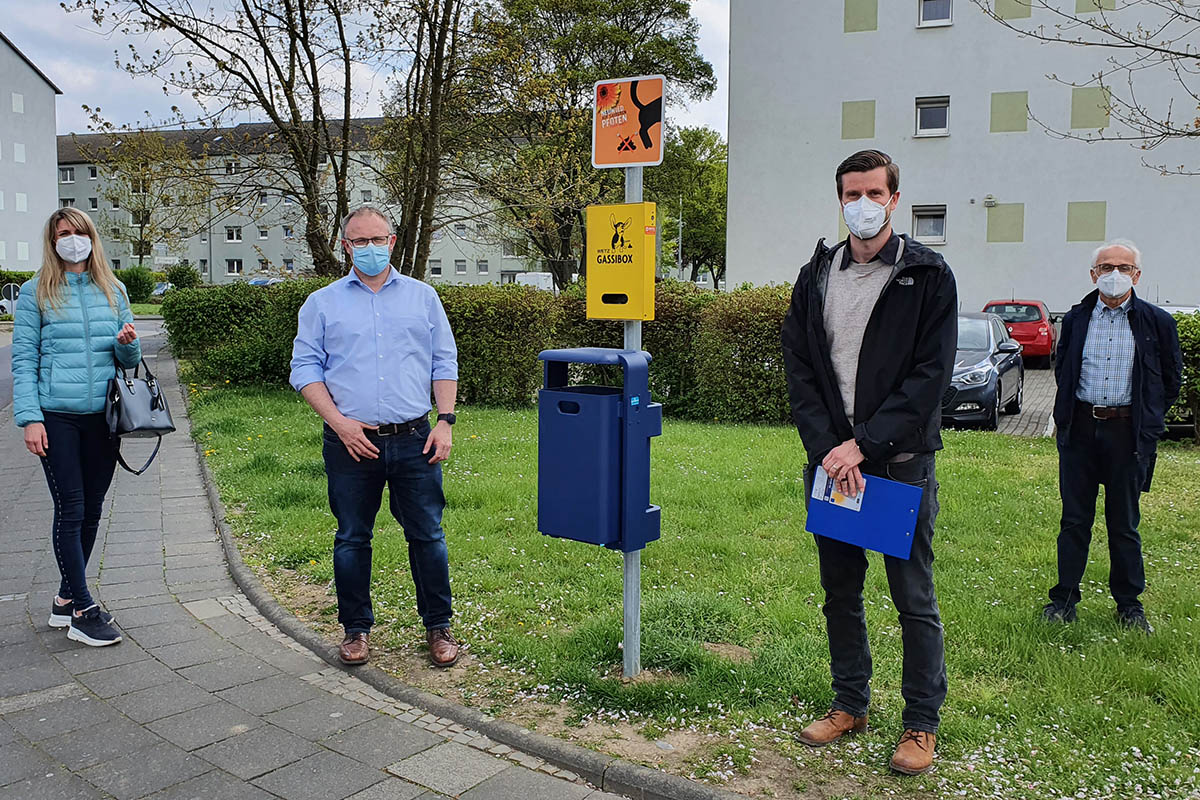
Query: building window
(204, 235)
(1, 199)
(138, 185)
(460, 229)
(21, 201)
(933, 13)
(116, 233)
(93, 204)
(481, 266)
(289, 265)
(435, 266)
(288, 232)
(482, 227)
(141, 248)
(92, 173)
(233, 266)
(287, 200)
(116, 263)
(264, 233)
(929, 224)
(263, 264)
(19, 155)
(67, 202)
(22, 251)
(233, 234)
(203, 266)
(231, 167)
(262, 198)
(66, 175)
(438, 234)
(933, 116)
(460, 266)
(140, 218)
(365, 194)
(510, 250)
(18, 103)
(116, 204)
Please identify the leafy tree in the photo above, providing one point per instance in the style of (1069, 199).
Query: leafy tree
(533, 71)
(1150, 51)
(691, 186)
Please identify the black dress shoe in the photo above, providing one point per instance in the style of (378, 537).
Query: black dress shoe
(1053, 612)
(1134, 618)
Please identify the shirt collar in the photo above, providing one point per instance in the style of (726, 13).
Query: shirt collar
(392, 277)
(1123, 308)
(889, 254)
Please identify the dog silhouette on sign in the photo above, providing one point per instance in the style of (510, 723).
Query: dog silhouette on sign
(649, 115)
(619, 232)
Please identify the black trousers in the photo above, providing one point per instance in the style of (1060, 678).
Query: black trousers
(843, 570)
(1100, 453)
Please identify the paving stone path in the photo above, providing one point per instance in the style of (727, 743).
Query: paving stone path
(1036, 408)
(204, 698)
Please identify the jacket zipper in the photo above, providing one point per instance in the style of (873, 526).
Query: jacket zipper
(87, 337)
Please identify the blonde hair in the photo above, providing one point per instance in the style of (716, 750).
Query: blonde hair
(52, 277)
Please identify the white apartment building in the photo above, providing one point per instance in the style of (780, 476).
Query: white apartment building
(263, 237)
(27, 157)
(962, 104)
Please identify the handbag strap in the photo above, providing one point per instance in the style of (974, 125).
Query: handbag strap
(146, 466)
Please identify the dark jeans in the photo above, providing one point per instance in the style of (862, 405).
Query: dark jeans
(1100, 453)
(355, 494)
(79, 466)
(843, 570)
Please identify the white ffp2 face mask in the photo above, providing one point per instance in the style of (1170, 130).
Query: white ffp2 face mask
(1114, 284)
(74, 248)
(864, 217)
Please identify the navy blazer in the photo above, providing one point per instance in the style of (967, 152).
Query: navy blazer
(1157, 369)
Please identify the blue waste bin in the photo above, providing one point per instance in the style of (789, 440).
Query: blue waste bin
(594, 452)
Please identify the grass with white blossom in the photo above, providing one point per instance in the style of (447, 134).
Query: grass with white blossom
(1034, 710)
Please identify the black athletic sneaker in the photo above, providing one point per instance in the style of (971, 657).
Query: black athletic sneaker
(91, 629)
(1134, 618)
(60, 616)
(1052, 612)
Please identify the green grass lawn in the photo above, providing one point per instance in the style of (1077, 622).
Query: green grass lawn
(1034, 710)
(146, 309)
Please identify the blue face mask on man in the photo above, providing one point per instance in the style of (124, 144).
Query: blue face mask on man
(371, 259)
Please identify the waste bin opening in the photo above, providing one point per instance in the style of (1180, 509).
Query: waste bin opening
(568, 407)
(611, 299)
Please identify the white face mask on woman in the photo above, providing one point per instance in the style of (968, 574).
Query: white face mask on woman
(864, 217)
(74, 248)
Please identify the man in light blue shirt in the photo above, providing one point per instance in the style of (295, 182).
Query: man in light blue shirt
(369, 349)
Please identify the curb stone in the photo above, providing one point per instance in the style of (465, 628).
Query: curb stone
(608, 773)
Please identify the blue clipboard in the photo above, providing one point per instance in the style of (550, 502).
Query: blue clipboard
(884, 522)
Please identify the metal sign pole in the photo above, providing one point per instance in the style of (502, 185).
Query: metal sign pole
(633, 561)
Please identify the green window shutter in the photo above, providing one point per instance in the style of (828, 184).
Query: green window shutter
(1006, 222)
(1089, 107)
(1086, 221)
(1013, 9)
(1010, 112)
(858, 119)
(861, 15)
(1092, 6)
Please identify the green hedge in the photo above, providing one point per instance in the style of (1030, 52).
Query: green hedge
(8, 276)
(1189, 395)
(139, 283)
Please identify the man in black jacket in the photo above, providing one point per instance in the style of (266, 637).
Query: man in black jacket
(1119, 369)
(869, 345)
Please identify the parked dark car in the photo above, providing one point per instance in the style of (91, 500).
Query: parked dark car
(1030, 324)
(989, 373)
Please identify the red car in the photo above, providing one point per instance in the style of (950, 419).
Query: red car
(1029, 323)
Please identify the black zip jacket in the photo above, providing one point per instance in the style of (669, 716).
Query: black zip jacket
(904, 367)
(1157, 369)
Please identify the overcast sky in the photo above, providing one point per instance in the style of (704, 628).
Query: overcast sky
(69, 50)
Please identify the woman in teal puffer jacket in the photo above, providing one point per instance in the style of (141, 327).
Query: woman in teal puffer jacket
(72, 325)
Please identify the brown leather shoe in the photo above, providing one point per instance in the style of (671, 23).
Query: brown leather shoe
(914, 753)
(354, 649)
(832, 727)
(443, 647)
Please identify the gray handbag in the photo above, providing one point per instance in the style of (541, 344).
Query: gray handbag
(136, 409)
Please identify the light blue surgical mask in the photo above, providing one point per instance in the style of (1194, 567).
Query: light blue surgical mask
(371, 259)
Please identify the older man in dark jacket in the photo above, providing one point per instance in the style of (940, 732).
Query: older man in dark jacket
(869, 345)
(1119, 370)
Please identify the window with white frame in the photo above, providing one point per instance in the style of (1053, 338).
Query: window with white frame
(116, 263)
(22, 251)
(203, 265)
(233, 266)
(460, 229)
(262, 198)
(1, 199)
(481, 266)
(460, 266)
(116, 204)
(233, 234)
(289, 265)
(204, 235)
(435, 266)
(365, 194)
(263, 264)
(288, 200)
(932, 13)
(18, 103)
(116, 233)
(67, 202)
(933, 116)
(21, 201)
(289, 232)
(929, 224)
(264, 233)
(93, 173)
(66, 175)
(19, 153)
(93, 204)
(231, 167)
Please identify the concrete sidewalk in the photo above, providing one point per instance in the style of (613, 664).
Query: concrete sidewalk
(204, 698)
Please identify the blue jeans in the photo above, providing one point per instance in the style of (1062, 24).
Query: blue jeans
(843, 570)
(355, 494)
(1100, 452)
(79, 466)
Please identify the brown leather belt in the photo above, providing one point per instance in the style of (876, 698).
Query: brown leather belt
(1108, 412)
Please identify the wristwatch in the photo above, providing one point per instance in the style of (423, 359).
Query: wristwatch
(447, 418)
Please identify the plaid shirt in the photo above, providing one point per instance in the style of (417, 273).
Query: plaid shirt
(1107, 375)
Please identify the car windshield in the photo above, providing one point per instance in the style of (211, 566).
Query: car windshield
(972, 334)
(1016, 312)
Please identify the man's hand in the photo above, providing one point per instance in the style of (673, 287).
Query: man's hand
(440, 441)
(127, 334)
(35, 438)
(842, 465)
(350, 431)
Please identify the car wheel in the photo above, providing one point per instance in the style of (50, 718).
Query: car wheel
(993, 419)
(1014, 405)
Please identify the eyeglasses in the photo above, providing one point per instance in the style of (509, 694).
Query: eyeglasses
(1124, 269)
(377, 240)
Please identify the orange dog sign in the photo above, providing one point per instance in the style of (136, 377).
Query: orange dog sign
(627, 129)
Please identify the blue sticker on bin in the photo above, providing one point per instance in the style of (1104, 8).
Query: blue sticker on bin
(635, 400)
